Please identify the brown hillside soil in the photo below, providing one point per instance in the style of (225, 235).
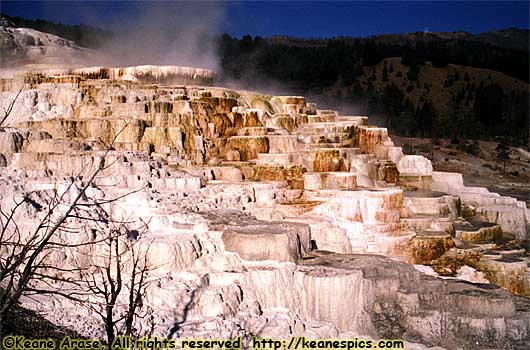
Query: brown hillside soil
(431, 83)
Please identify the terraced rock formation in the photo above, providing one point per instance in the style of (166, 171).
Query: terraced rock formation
(265, 215)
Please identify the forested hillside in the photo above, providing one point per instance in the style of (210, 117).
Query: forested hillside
(444, 85)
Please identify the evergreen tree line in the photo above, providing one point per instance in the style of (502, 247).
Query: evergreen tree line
(322, 65)
(484, 111)
(493, 114)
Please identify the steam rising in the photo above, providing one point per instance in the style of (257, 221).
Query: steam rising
(173, 33)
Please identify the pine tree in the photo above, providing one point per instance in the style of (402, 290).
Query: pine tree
(385, 73)
(503, 154)
(392, 99)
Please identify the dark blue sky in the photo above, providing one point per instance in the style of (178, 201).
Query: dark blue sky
(302, 19)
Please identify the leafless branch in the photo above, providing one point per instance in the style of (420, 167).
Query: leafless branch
(9, 109)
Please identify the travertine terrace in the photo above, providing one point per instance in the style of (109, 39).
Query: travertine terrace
(267, 216)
